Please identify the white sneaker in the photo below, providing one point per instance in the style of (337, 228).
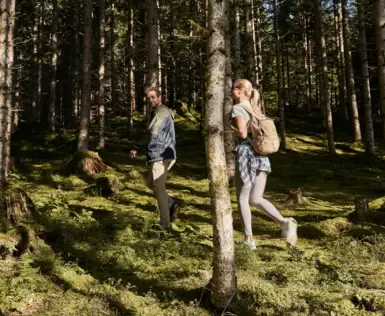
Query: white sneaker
(251, 244)
(289, 231)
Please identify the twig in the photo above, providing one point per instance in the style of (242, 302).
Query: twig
(204, 288)
(228, 303)
(371, 224)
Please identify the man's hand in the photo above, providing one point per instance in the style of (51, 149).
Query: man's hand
(133, 153)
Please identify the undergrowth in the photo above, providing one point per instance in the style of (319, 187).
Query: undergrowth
(100, 255)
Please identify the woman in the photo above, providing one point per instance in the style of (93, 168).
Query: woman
(252, 170)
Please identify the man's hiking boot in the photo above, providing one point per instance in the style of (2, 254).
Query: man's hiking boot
(173, 211)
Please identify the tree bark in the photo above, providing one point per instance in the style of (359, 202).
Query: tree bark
(369, 133)
(40, 63)
(52, 106)
(237, 42)
(102, 48)
(281, 106)
(380, 43)
(7, 18)
(35, 38)
(308, 66)
(340, 61)
(86, 90)
(259, 53)
(254, 59)
(76, 58)
(223, 281)
(131, 67)
(289, 88)
(250, 73)
(324, 74)
(17, 75)
(153, 47)
(153, 44)
(350, 75)
(228, 101)
(113, 66)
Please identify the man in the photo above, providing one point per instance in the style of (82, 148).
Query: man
(161, 153)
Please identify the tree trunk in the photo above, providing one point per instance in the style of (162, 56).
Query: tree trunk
(17, 76)
(281, 105)
(223, 281)
(317, 81)
(283, 76)
(159, 55)
(102, 47)
(340, 61)
(319, 78)
(7, 15)
(40, 64)
(250, 73)
(153, 47)
(369, 133)
(144, 20)
(113, 66)
(305, 63)
(324, 74)
(34, 111)
(203, 58)
(191, 65)
(86, 90)
(228, 101)
(350, 75)
(380, 43)
(289, 88)
(153, 44)
(52, 105)
(131, 67)
(308, 66)
(259, 53)
(76, 58)
(237, 42)
(172, 77)
(254, 63)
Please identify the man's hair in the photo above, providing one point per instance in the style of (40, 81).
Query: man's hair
(149, 89)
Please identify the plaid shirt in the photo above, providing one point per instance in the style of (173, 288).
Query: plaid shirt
(249, 162)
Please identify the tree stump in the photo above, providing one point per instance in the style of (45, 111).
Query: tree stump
(295, 197)
(108, 185)
(16, 209)
(361, 209)
(87, 163)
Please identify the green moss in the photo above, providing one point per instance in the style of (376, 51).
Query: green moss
(104, 255)
(377, 204)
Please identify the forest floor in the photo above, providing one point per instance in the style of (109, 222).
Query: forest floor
(102, 256)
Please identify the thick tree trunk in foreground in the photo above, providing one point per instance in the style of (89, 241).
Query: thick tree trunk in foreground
(223, 281)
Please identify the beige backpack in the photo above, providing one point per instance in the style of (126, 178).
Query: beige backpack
(265, 140)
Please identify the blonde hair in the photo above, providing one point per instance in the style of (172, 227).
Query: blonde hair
(253, 94)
